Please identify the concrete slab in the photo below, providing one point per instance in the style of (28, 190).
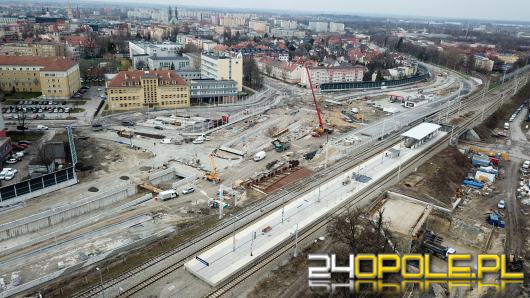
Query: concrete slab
(402, 215)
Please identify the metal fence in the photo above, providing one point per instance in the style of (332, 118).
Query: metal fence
(32, 185)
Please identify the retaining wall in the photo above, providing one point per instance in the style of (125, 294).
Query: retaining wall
(54, 216)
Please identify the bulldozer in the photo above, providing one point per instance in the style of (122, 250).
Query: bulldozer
(213, 175)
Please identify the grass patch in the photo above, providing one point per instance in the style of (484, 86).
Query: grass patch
(22, 95)
(77, 110)
(77, 102)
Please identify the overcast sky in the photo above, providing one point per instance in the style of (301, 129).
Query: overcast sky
(514, 10)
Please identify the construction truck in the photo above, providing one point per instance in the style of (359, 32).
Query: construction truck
(321, 129)
(438, 250)
(213, 175)
(432, 244)
(213, 203)
(125, 133)
(280, 146)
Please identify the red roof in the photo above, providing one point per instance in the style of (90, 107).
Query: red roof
(48, 63)
(168, 76)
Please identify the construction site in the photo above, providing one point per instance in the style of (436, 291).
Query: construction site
(157, 189)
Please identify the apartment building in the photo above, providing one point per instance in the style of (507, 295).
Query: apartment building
(33, 49)
(339, 74)
(162, 89)
(213, 91)
(483, 63)
(55, 77)
(318, 26)
(223, 67)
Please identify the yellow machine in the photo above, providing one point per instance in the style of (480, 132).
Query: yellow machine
(213, 175)
(502, 155)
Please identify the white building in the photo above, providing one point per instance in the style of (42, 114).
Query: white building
(163, 49)
(336, 27)
(290, 25)
(318, 26)
(340, 74)
(168, 63)
(223, 67)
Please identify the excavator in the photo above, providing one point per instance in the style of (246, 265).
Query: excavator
(321, 129)
(213, 175)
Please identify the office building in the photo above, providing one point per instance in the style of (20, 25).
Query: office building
(54, 77)
(213, 91)
(223, 67)
(162, 89)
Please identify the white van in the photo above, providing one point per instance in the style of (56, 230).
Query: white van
(168, 194)
(260, 155)
(506, 125)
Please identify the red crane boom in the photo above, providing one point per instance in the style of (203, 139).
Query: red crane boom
(320, 120)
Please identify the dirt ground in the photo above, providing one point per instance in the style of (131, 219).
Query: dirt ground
(438, 179)
(98, 155)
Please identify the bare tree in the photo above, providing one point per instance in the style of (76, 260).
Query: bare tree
(268, 69)
(21, 120)
(44, 156)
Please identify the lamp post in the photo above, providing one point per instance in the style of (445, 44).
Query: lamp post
(101, 281)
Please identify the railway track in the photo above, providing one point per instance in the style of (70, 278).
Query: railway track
(318, 224)
(245, 217)
(177, 256)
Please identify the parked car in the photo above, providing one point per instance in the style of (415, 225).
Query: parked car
(158, 127)
(11, 160)
(127, 123)
(25, 142)
(188, 190)
(501, 204)
(8, 172)
(166, 141)
(198, 141)
(42, 127)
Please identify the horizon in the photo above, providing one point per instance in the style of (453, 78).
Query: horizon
(489, 10)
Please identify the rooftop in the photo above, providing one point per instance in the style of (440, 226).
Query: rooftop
(134, 77)
(421, 131)
(48, 63)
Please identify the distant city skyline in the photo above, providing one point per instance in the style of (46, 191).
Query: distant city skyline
(508, 10)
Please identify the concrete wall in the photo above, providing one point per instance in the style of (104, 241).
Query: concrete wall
(39, 192)
(54, 216)
(163, 176)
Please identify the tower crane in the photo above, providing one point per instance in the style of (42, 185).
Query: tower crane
(321, 129)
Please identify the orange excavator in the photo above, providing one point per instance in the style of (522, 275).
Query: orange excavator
(321, 129)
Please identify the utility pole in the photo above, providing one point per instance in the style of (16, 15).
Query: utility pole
(253, 236)
(296, 241)
(234, 234)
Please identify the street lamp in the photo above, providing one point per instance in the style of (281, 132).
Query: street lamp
(101, 281)
(234, 234)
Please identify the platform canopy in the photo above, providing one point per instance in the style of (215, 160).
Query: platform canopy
(421, 131)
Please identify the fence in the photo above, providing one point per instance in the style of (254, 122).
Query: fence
(31, 188)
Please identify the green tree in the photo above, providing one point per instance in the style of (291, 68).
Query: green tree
(172, 66)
